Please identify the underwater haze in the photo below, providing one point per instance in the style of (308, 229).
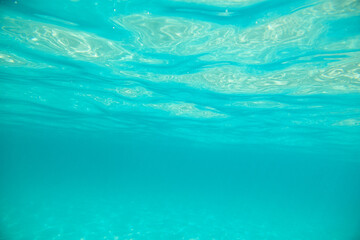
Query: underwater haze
(179, 119)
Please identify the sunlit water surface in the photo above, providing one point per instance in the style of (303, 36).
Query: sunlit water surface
(180, 119)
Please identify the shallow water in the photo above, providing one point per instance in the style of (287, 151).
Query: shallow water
(180, 119)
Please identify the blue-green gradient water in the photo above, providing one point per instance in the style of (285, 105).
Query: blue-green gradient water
(179, 119)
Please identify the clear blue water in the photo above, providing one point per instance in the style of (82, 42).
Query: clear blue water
(180, 119)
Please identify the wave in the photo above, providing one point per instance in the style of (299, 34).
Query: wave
(253, 71)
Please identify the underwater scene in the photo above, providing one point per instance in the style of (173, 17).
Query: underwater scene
(179, 119)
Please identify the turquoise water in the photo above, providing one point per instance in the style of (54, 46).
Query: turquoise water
(180, 119)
